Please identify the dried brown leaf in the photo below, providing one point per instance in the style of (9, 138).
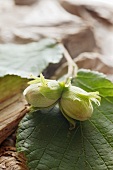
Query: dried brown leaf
(10, 159)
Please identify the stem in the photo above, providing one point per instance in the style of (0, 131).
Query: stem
(72, 66)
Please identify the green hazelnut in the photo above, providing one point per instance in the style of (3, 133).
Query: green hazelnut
(76, 103)
(44, 93)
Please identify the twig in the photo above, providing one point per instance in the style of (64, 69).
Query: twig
(72, 66)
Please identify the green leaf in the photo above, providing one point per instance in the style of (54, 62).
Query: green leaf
(11, 85)
(32, 58)
(45, 138)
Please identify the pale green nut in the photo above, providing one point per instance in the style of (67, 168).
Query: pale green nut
(44, 93)
(76, 103)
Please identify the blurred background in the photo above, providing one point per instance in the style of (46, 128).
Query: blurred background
(84, 27)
